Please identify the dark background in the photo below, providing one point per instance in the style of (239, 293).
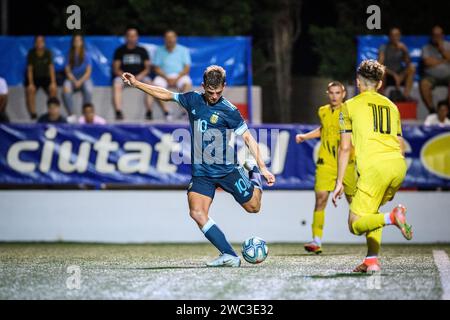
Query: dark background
(321, 23)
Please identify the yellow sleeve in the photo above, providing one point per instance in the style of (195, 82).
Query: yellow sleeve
(345, 123)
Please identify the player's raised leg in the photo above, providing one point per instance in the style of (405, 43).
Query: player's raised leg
(256, 171)
(254, 175)
(198, 209)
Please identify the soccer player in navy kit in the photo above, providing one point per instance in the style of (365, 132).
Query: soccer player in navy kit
(212, 120)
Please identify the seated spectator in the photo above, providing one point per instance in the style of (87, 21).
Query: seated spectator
(441, 117)
(78, 75)
(40, 74)
(436, 60)
(3, 100)
(399, 69)
(134, 59)
(54, 112)
(89, 115)
(172, 65)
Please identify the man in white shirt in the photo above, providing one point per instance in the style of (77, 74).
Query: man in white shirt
(441, 117)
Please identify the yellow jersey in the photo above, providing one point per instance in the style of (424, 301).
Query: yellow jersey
(374, 122)
(329, 135)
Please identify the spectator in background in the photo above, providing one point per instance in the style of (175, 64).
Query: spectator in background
(3, 100)
(134, 59)
(172, 65)
(89, 115)
(40, 74)
(436, 61)
(441, 117)
(54, 112)
(399, 69)
(78, 75)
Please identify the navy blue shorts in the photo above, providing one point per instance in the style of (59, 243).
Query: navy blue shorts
(236, 182)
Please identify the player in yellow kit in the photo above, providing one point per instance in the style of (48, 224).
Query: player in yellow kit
(372, 123)
(326, 168)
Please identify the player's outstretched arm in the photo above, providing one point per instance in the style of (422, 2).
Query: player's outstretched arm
(156, 92)
(252, 145)
(345, 148)
(314, 134)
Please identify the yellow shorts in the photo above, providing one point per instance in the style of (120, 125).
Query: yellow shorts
(377, 185)
(326, 178)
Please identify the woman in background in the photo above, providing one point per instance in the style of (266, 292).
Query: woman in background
(78, 75)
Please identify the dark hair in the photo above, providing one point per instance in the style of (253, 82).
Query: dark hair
(72, 52)
(38, 36)
(131, 28)
(214, 76)
(371, 70)
(170, 30)
(53, 100)
(88, 105)
(442, 103)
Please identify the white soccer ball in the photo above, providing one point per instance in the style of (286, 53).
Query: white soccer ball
(254, 250)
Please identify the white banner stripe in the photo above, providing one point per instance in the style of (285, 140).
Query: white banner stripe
(442, 262)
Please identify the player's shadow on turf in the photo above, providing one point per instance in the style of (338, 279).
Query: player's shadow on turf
(306, 254)
(181, 268)
(341, 275)
(169, 268)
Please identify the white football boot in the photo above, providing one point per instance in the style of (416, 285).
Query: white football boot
(225, 260)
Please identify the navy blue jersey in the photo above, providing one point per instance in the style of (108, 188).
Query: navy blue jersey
(211, 129)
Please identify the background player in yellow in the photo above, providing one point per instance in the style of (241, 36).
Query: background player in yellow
(372, 123)
(326, 168)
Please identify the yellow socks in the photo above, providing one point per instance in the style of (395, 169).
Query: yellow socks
(368, 223)
(373, 239)
(317, 225)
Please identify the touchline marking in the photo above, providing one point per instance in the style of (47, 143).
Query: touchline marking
(442, 262)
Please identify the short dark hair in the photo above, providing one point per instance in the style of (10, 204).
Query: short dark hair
(442, 103)
(371, 70)
(170, 30)
(131, 28)
(39, 36)
(53, 100)
(214, 76)
(88, 105)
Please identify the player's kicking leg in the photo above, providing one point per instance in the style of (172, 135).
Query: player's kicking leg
(372, 225)
(254, 174)
(198, 209)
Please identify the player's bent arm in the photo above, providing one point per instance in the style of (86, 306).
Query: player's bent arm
(345, 149)
(314, 134)
(253, 146)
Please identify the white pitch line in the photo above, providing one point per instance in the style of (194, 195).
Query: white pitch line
(442, 262)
